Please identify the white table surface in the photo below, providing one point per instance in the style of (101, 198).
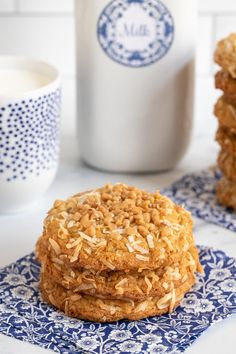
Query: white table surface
(18, 233)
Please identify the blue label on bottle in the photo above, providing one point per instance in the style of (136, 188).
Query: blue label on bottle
(136, 33)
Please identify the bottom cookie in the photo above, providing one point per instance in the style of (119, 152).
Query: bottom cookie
(100, 309)
(226, 193)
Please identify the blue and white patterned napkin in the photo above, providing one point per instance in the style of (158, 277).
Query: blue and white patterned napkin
(197, 193)
(24, 316)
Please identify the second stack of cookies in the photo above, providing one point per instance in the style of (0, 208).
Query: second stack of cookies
(225, 111)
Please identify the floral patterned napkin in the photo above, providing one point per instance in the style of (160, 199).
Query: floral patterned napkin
(24, 316)
(197, 193)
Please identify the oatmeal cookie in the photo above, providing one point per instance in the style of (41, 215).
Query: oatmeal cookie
(225, 113)
(100, 309)
(132, 285)
(225, 82)
(227, 165)
(226, 137)
(226, 193)
(116, 228)
(225, 54)
(230, 100)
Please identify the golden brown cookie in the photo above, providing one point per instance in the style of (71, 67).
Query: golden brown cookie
(230, 100)
(227, 165)
(226, 193)
(225, 82)
(225, 113)
(225, 54)
(226, 137)
(109, 310)
(116, 228)
(117, 252)
(132, 285)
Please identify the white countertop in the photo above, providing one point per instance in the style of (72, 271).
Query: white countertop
(18, 233)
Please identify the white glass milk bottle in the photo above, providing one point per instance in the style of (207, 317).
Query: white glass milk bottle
(135, 82)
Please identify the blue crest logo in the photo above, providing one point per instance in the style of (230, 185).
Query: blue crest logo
(136, 33)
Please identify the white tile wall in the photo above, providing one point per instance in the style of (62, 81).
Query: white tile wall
(206, 97)
(7, 5)
(217, 6)
(225, 25)
(50, 38)
(68, 106)
(45, 29)
(46, 6)
(204, 49)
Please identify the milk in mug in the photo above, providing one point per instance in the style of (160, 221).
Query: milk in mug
(14, 81)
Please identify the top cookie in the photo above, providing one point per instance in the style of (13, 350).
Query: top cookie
(116, 228)
(225, 54)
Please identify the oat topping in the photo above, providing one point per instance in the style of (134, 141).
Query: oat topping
(117, 219)
(55, 246)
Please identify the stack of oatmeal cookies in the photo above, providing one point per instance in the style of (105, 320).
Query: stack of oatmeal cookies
(225, 111)
(117, 252)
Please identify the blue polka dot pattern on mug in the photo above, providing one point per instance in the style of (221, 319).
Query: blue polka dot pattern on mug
(29, 137)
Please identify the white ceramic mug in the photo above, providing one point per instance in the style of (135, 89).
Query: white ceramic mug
(135, 62)
(29, 131)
